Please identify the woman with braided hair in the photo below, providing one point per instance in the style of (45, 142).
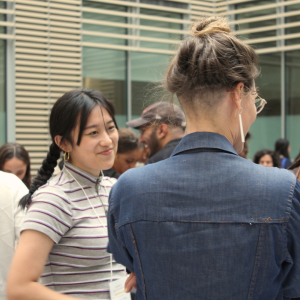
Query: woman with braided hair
(64, 236)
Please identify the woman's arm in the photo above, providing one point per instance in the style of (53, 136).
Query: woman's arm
(27, 266)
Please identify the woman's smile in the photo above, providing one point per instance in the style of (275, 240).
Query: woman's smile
(106, 152)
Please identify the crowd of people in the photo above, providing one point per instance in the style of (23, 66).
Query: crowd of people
(179, 207)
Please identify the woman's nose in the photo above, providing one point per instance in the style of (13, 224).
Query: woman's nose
(105, 140)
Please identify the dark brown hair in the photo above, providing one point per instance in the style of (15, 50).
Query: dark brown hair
(70, 109)
(274, 155)
(211, 60)
(281, 147)
(11, 150)
(128, 140)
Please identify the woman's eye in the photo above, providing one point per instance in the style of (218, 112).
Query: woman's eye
(93, 133)
(111, 127)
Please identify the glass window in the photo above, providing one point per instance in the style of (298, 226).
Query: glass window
(146, 70)
(160, 24)
(2, 82)
(104, 28)
(267, 127)
(105, 70)
(292, 19)
(2, 93)
(293, 100)
(257, 24)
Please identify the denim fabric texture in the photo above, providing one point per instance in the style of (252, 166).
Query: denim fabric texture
(210, 226)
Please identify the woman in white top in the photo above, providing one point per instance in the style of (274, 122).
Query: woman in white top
(64, 235)
(12, 189)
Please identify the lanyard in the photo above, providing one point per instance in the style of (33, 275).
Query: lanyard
(111, 271)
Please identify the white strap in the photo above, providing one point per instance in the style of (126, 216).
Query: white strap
(111, 271)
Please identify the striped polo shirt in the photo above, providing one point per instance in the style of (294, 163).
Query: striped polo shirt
(78, 264)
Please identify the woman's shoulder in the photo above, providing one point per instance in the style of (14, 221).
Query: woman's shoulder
(276, 177)
(108, 182)
(55, 189)
(11, 181)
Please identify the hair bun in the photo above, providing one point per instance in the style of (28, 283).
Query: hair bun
(209, 26)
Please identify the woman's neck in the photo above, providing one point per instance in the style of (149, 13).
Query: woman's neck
(209, 126)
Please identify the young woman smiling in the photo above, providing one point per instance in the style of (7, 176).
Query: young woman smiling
(64, 235)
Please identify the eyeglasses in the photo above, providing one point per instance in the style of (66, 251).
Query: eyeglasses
(259, 104)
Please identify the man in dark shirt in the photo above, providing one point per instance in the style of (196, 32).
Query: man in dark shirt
(162, 127)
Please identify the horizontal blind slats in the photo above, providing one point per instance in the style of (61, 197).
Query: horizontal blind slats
(140, 27)
(48, 76)
(132, 15)
(51, 58)
(130, 37)
(126, 48)
(44, 70)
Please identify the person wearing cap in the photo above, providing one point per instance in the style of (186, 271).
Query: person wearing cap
(162, 126)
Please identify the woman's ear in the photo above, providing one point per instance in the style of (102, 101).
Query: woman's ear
(63, 145)
(237, 95)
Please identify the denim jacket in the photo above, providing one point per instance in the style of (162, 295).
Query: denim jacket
(211, 226)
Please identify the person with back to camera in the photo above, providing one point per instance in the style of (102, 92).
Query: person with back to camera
(162, 127)
(12, 189)
(206, 223)
(129, 152)
(282, 147)
(267, 158)
(64, 235)
(15, 159)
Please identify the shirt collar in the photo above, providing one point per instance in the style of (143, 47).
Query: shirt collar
(81, 176)
(198, 140)
(173, 142)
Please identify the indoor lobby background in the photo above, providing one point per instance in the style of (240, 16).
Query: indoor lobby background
(122, 48)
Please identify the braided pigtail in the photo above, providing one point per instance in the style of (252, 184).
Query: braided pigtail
(44, 173)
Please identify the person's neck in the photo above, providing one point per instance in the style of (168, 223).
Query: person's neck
(93, 172)
(209, 126)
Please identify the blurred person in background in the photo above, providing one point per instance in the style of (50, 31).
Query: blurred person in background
(15, 159)
(162, 126)
(294, 167)
(297, 157)
(64, 234)
(12, 189)
(283, 148)
(207, 223)
(144, 157)
(129, 152)
(267, 158)
(246, 146)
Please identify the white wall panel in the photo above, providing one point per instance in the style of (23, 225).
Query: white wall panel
(48, 63)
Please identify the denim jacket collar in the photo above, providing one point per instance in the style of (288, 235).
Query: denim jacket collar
(208, 140)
